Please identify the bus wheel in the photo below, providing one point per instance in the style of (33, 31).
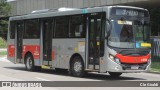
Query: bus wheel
(29, 64)
(115, 74)
(77, 67)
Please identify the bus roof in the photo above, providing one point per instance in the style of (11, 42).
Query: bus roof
(65, 11)
(131, 7)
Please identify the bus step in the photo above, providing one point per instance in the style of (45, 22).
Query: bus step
(92, 70)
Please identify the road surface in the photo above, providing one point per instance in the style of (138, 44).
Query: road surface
(17, 72)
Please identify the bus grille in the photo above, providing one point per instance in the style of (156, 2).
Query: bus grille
(129, 66)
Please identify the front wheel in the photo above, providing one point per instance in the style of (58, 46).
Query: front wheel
(77, 67)
(115, 74)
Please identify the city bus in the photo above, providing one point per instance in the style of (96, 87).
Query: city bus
(108, 39)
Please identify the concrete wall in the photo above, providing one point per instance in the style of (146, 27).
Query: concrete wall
(20, 7)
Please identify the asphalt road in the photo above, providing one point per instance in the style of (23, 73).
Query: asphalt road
(17, 72)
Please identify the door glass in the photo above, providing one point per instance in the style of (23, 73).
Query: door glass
(95, 39)
(98, 41)
(20, 27)
(47, 41)
(91, 42)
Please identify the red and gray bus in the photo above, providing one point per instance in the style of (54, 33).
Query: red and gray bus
(113, 39)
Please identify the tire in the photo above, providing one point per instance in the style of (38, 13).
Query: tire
(115, 74)
(29, 63)
(77, 67)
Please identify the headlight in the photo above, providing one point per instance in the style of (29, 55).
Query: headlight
(117, 61)
(114, 59)
(111, 57)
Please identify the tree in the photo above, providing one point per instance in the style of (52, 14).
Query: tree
(155, 21)
(4, 12)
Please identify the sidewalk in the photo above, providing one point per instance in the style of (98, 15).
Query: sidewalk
(3, 49)
(154, 72)
(4, 59)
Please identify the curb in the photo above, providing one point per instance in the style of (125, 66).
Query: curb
(154, 72)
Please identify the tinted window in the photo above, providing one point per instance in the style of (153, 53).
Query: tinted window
(62, 27)
(32, 29)
(12, 30)
(77, 26)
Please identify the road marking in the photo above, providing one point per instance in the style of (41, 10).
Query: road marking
(42, 79)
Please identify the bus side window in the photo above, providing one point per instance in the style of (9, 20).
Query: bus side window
(77, 29)
(32, 30)
(12, 30)
(62, 27)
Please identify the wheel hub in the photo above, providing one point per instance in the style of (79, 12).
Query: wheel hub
(77, 66)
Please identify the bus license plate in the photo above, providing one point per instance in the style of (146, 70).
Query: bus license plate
(134, 67)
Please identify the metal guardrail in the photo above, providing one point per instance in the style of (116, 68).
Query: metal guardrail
(155, 49)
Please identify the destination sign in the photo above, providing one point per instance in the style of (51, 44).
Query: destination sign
(128, 12)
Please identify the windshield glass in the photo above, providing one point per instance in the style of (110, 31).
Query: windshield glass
(129, 33)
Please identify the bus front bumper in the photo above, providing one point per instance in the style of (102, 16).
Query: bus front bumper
(127, 68)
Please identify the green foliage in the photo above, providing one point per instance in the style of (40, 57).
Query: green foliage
(3, 43)
(4, 12)
(4, 8)
(156, 59)
(3, 53)
(155, 66)
(3, 29)
(155, 21)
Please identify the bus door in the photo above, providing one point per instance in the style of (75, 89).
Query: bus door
(47, 41)
(19, 41)
(94, 41)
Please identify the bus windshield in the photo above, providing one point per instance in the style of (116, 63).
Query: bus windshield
(129, 33)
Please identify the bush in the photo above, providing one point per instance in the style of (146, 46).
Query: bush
(3, 43)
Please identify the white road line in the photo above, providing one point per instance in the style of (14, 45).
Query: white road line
(42, 79)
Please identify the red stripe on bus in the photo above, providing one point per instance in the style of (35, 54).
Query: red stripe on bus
(133, 59)
(34, 49)
(11, 51)
(52, 54)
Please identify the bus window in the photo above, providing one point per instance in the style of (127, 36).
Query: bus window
(32, 29)
(62, 27)
(77, 27)
(12, 30)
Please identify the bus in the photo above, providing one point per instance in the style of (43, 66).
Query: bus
(108, 39)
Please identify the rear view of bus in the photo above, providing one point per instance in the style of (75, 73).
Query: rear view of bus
(128, 40)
